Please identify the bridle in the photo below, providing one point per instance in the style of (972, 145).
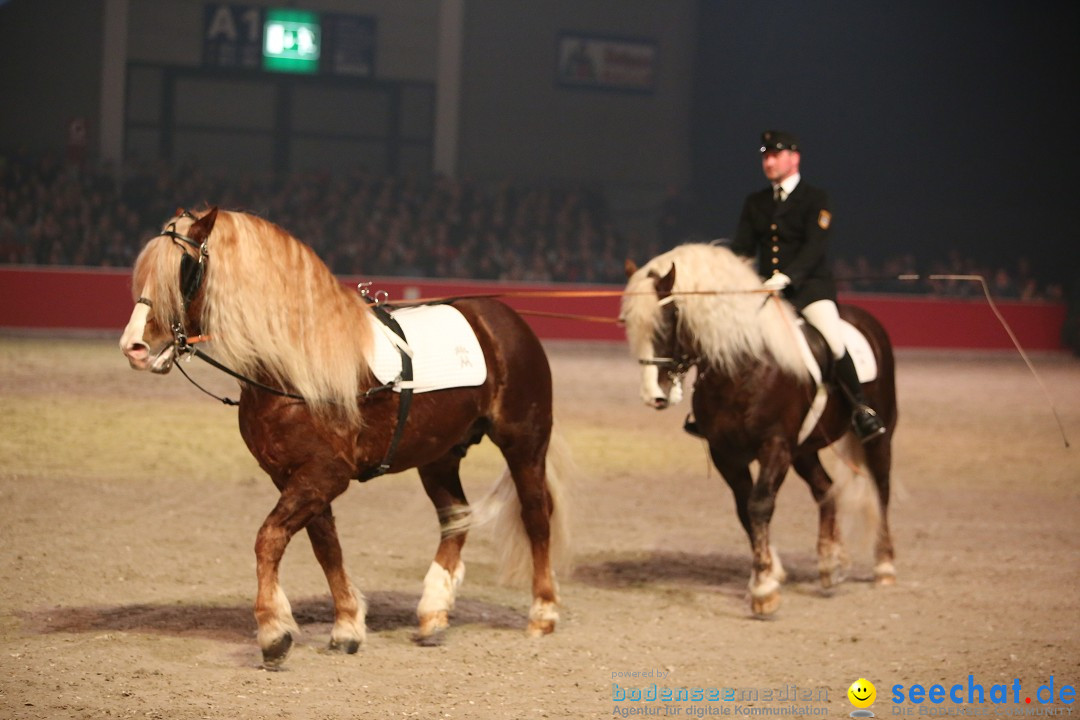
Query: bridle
(192, 269)
(192, 272)
(679, 363)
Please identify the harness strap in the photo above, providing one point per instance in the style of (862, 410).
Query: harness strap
(405, 399)
(184, 347)
(203, 356)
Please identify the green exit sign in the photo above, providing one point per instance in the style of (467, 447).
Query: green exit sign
(291, 41)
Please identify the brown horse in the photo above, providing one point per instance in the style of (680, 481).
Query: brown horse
(700, 305)
(314, 416)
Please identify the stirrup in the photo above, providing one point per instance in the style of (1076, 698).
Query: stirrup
(691, 427)
(866, 423)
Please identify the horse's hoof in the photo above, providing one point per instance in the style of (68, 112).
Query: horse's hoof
(346, 647)
(539, 628)
(827, 581)
(765, 605)
(431, 639)
(885, 574)
(275, 653)
(433, 623)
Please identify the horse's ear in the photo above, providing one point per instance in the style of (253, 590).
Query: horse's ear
(200, 229)
(631, 267)
(665, 284)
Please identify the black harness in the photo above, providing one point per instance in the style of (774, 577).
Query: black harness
(183, 347)
(192, 274)
(192, 269)
(405, 396)
(675, 367)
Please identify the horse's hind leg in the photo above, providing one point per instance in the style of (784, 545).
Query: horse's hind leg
(879, 462)
(443, 485)
(528, 468)
(830, 551)
(349, 607)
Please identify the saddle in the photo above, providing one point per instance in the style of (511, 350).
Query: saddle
(821, 365)
(421, 349)
(440, 342)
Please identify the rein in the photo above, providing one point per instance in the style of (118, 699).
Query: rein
(186, 346)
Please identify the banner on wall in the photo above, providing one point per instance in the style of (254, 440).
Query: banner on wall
(590, 61)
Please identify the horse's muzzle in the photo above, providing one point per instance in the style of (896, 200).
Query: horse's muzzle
(140, 358)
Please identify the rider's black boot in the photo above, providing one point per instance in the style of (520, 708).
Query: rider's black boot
(866, 422)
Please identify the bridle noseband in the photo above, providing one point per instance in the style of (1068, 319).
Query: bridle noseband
(675, 367)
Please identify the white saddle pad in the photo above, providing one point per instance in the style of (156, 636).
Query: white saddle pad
(865, 366)
(444, 350)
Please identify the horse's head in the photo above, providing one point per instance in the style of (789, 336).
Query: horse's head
(652, 326)
(166, 285)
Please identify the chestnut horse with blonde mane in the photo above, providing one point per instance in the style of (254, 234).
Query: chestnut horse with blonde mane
(308, 412)
(700, 305)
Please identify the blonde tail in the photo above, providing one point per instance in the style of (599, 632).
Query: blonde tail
(858, 508)
(502, 508)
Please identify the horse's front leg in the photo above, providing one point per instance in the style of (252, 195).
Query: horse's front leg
(350, 608)
(767, 573)
(447, 571)
(300, 502)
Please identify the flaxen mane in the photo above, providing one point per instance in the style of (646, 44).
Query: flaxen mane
(271, 308)
(728, 325)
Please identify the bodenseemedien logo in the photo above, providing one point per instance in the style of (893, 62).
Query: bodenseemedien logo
(862, 695)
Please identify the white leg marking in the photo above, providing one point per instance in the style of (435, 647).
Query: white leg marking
(439, 589)
(650, 384)
(349, 629)
(884, 570)
(543, 610)
(777, 571)
(282, 623)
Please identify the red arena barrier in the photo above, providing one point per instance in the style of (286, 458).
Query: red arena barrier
(99, 299)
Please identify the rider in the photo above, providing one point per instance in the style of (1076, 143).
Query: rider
(786, 228)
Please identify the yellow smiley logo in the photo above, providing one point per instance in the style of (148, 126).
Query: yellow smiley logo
(862, 693)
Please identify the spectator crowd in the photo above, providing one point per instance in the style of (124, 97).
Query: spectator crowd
(53, 213)
(362, 224)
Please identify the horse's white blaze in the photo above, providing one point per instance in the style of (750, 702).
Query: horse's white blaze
(650, 385)
(131, 341)
(440, 589)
